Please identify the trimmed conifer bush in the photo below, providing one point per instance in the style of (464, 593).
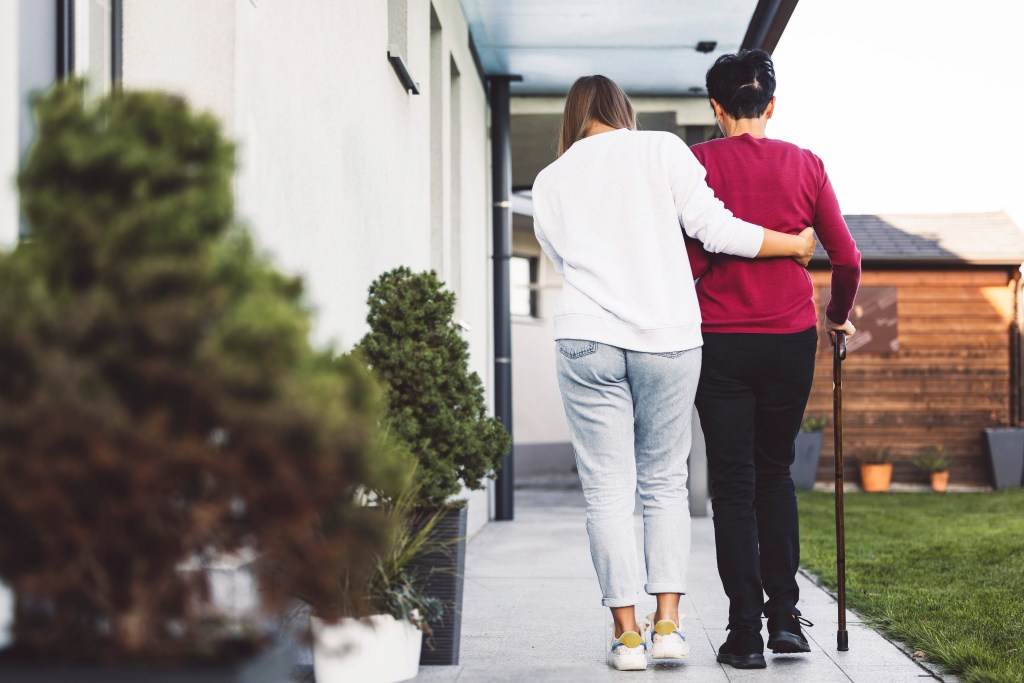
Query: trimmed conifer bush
(159, 399)
(435, 403)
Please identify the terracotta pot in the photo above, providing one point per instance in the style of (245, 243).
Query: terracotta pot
(876, 478)
(940, 480)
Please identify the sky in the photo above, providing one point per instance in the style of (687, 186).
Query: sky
(914, 106)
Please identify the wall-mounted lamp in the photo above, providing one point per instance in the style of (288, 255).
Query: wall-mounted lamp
(706, 46)
(395, 57)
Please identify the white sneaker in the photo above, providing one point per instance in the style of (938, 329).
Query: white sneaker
(666, 638)
(628, 652)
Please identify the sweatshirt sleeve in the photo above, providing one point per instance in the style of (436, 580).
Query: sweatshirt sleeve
(701, 215)
(835, 237)
(538, 227)
(545, 244)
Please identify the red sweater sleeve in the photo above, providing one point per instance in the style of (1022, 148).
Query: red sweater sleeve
(831, 230)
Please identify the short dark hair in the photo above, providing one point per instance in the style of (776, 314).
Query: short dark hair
(743, 83)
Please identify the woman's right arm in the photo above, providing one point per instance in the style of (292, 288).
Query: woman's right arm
(704, 218)
(842, 253)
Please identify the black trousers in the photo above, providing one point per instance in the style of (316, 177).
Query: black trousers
(751, 398)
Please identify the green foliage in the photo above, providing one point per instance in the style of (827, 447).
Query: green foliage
(939, 573)
(436, 405)
(393, 589)
(932, 459)
(874, 456)
(814, 423)
(159, 400)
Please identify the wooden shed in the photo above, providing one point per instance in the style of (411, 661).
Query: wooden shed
(937, 357)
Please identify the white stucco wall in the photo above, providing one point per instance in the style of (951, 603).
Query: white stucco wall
(183, 46)
(9, 115)
(335, 166)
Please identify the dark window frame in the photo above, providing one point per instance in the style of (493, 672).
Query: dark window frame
(534, 284)
(66, 40)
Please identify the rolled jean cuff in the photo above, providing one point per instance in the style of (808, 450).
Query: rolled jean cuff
(655, 588)
(628, 601)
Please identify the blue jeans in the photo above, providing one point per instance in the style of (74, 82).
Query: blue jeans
(629, 417)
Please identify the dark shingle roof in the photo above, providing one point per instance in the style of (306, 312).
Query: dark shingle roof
(918, 239)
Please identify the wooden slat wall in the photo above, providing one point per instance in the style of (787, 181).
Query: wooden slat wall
(949, 380)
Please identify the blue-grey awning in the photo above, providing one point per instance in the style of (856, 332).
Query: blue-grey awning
(647, 46)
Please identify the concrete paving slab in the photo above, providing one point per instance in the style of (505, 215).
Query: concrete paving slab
(532, 612)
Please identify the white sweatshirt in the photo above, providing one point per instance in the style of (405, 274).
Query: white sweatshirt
(608, 213)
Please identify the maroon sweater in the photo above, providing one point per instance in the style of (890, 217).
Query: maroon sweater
(781, 187)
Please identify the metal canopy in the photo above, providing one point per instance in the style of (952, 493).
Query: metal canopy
(647, 46)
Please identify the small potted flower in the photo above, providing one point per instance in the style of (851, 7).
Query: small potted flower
(380, 635)
(807, 451)
(875, 469)
(932, 461)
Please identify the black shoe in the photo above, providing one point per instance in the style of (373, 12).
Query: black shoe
(743, 650)
(785, 635)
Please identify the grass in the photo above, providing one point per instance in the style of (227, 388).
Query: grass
(942, 573)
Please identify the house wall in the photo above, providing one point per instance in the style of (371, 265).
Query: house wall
(10, 115)
(342, 173)
(28, 64)
(949, 380)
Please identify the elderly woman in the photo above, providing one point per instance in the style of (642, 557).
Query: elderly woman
(610, 213)
(760, 338)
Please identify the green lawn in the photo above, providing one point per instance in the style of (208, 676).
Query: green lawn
(942, 573)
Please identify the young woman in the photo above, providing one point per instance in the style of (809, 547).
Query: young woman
(608, 213)
(760, 337)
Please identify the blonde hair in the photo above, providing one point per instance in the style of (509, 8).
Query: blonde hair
(594, 98)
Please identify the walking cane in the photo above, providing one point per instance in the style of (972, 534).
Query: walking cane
(838, 355)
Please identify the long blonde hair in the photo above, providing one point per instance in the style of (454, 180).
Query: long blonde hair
(594, 98)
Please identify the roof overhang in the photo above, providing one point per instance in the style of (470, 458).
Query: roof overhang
(650, 47)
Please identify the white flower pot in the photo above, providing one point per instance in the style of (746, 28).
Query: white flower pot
(377, 649)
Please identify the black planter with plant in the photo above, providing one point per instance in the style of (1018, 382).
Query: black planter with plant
(1006, 456)
(436, 407)
(807, 451)
(160, 406)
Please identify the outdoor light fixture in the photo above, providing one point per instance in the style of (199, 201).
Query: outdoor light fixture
(706, 46)
(395, 57)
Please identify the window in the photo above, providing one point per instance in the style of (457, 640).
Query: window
(523, 283)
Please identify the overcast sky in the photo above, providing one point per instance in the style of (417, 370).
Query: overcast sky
(914, 105)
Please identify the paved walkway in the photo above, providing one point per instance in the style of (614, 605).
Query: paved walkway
(532, 612)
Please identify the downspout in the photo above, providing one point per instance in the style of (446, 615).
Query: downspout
(1017, 353)
(501, 174)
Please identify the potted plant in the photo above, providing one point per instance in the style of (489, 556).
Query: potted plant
(1006, 456)
(807, 451)
(875, 469)
(160, 408)
(933, 462)
(380, 639)
(436, 407)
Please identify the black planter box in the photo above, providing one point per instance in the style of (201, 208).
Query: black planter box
(441, 573)
(1006, 455)
(271, 666)
(804, 469)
